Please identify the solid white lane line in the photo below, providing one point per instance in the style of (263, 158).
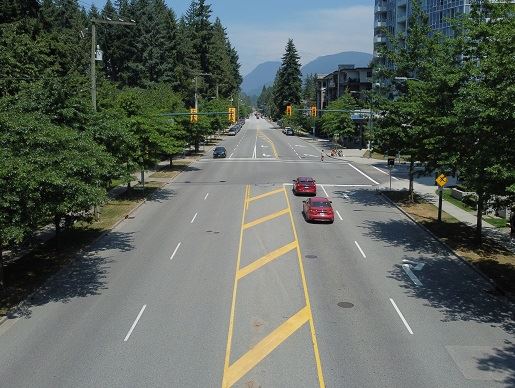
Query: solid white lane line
(409, 272)
(175, 251)
(325, 192)
(329, 185)
(402, 316)
(339, 215)
(206, 196)
(362, 173)
(381, 171)
(361, 250)
(135, 323)
(193, 219)
(385, 173)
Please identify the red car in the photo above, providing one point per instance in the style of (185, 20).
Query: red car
(304, 185)
(318, 209)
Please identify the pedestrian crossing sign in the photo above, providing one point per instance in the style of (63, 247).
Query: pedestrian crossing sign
(442, 180)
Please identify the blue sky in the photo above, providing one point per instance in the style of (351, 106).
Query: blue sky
(260, 29)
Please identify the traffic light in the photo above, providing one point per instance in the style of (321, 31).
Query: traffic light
(288, 110)
(232, 115)
(193, 116)
(313, 111)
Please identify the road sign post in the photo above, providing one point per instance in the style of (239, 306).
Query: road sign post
(391, 163)
(441, 181)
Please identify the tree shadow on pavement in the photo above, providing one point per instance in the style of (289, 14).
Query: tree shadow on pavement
(80, 276)
(456, 291)
(449, 285)
(502, 361)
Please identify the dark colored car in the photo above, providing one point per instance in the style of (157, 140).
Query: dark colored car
(219, 152)
(288, 131)
(304, 185)
(318, 209)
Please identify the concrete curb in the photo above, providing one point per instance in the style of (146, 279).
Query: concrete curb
(447, 247)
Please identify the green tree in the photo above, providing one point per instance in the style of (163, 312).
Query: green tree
(309, 92)
(402, 126)
(340, 124)
(484, 108)
(288, 83)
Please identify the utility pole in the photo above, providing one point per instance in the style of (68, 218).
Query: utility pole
(196, 87)
(94, 21)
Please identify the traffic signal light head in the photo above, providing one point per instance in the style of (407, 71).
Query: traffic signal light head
(313, 111)
(193, 116)
(288, 110)
(232, 115)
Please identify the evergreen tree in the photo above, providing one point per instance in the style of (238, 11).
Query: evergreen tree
(288, 83)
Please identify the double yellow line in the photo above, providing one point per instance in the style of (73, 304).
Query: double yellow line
(233, 373)
(266, 138)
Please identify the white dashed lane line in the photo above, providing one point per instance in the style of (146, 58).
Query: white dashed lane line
(175, 251)
(401, 316)
(135, 323)
(360, 250)
(193, 219)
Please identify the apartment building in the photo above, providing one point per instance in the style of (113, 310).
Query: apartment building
(348, 77)
(393, 15)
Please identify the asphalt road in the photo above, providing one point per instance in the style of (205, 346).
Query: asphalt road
(219, 281)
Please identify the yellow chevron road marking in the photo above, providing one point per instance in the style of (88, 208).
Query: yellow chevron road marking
(265, 218)
(265, 259)
(261, 196)
(255, 355)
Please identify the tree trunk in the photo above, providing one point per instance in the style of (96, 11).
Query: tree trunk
(171, 160)
(57, 225)
(143, 178)
(479, 217)
(411, 165)
(2, 280)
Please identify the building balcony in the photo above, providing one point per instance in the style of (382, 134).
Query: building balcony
(380, 23)
(379, 39)
(381, 8)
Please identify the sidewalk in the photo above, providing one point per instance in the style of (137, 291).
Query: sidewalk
(424, 186)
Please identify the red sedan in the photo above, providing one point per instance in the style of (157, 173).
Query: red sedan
(318, 209)
(304, 185)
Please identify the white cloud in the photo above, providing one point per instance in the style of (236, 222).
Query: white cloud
(323, 32)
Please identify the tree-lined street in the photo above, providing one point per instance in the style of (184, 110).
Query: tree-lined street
(154, 301)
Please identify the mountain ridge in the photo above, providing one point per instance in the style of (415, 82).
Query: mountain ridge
(264, 73)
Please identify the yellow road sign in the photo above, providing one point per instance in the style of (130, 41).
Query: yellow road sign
(442, 180)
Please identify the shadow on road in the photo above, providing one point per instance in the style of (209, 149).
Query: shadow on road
(502, 361)
(85, 275)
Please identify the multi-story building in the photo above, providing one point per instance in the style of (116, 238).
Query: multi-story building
(347, 78)
(354, 80)
(392, 16)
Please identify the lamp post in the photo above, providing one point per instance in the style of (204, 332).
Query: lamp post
(94, 22)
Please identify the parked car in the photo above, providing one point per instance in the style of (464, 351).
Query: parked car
(219, 152)
(318, 209)
(304, 185)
